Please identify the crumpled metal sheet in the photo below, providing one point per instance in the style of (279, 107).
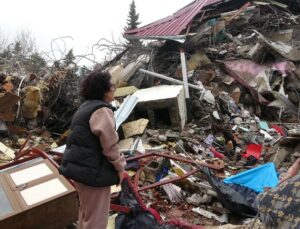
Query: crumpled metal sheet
(253, 76)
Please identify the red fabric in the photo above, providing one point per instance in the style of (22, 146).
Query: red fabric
(216, 153)
(253, 150)
(278, 129)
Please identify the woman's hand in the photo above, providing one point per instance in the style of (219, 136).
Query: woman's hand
(292, 171)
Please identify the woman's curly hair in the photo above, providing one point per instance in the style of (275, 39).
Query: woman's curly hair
(95, 85)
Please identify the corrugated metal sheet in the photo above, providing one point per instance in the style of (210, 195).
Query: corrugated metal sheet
(125, 110)
(172, 25)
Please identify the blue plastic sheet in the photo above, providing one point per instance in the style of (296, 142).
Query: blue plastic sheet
(256, 179)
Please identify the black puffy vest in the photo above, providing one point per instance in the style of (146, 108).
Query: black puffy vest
(83, 158)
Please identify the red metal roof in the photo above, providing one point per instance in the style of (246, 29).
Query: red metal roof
(172, 25)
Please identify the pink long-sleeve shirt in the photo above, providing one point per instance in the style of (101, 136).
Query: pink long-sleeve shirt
(102, 124)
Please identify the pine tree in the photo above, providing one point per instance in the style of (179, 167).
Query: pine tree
(69, 63)
(35, 62)
(133, 17)
(132, 23)
(69, 58)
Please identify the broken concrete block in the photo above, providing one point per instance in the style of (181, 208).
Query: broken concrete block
(134, 127)
(125, 144)
(155, 170)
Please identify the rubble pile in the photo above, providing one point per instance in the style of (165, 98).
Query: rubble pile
(37, 105)
(254, 55)
(202, 159)
(248, 59)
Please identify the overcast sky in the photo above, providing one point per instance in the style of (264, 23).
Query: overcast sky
(85, 21)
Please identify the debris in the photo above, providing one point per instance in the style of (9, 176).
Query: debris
(7, 101)
(32, 102)
(167, 101)
(243, 80)
(131, 68)
(196, 199)
(221, 219)
(116, 73)
(134, 127)
(7, 151)
(3, 127)
(111, 221)
(279, 156)
(173, 192)
(264, 125)
(253, 150)
(124, 91)
(156, 170)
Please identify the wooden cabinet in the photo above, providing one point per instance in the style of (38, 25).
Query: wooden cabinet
(35, 195)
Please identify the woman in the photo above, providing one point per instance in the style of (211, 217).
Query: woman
(91, 146)
(279, 207)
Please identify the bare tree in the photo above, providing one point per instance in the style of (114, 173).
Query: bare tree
(25, 44)
(3, 40)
